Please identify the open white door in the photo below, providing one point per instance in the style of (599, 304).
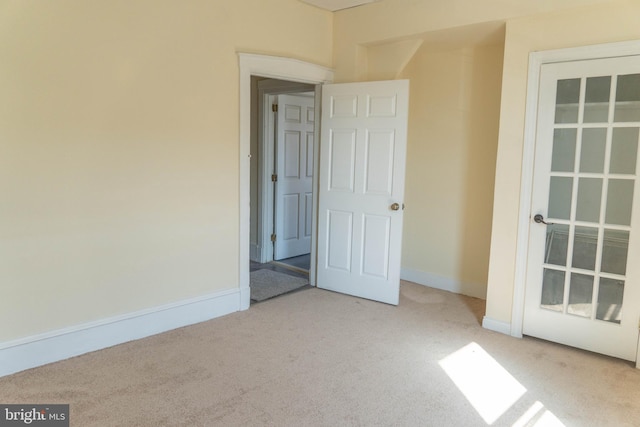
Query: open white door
(294, 165)
(361, 188)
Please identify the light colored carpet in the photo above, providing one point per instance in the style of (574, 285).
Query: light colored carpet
(266, 284)
(318, 358)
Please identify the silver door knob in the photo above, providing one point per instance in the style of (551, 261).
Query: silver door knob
(395, 207)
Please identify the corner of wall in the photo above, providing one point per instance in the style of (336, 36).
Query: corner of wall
(443, 283)
(496, 325)
(386, 61)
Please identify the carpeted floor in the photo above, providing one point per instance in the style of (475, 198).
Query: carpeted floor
(266, 284)
(318, 358)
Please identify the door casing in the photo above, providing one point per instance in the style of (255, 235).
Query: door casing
(283, 69)
(536, 60)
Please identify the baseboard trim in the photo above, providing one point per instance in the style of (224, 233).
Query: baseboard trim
(245, 298)
(496, 325)
(444, 283)
(41, 349)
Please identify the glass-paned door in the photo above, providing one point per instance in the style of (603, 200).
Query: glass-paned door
(582, 289)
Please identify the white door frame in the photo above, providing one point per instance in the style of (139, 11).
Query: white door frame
(536, 60)
(267, 92)
(283, 69)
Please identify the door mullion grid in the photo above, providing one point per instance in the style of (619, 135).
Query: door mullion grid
(603, 200)
(572, 226)
(612, 98)
(603, 207)
(574, 197)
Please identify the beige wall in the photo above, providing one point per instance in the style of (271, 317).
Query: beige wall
(119, 138)
(453, 134)
(454, 119)
(119, 149)
(391, 20)
(578, 27)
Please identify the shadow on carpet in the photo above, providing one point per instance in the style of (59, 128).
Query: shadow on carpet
(267, 284)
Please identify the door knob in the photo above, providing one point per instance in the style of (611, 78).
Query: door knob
(395, 207)
(540, 220)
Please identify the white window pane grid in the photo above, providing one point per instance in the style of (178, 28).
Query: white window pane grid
(601, 224)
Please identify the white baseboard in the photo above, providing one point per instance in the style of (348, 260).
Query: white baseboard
(37, 350)
(496, 325)
(445, 283)
(245, 298)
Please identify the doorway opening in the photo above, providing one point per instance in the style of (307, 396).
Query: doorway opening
(281, 186)
(378, 113)
(278, 68)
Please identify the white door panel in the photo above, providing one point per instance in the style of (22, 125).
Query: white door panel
(583, 289)
(294, 166)
(363, 153)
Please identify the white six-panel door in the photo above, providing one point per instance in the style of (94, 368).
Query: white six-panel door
(583, 275)
(362, 154)
(294, 166)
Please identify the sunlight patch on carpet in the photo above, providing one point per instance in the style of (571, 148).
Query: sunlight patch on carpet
(538, 416)
(489, 388)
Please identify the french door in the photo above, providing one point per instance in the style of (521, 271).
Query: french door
(583, 274)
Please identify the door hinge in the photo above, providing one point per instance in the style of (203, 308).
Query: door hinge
(273, 237)
(274, 108)
(274, 178)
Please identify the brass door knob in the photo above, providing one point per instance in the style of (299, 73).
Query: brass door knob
(395, 207)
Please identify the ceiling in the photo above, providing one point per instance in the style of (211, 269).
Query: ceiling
(334, 5)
